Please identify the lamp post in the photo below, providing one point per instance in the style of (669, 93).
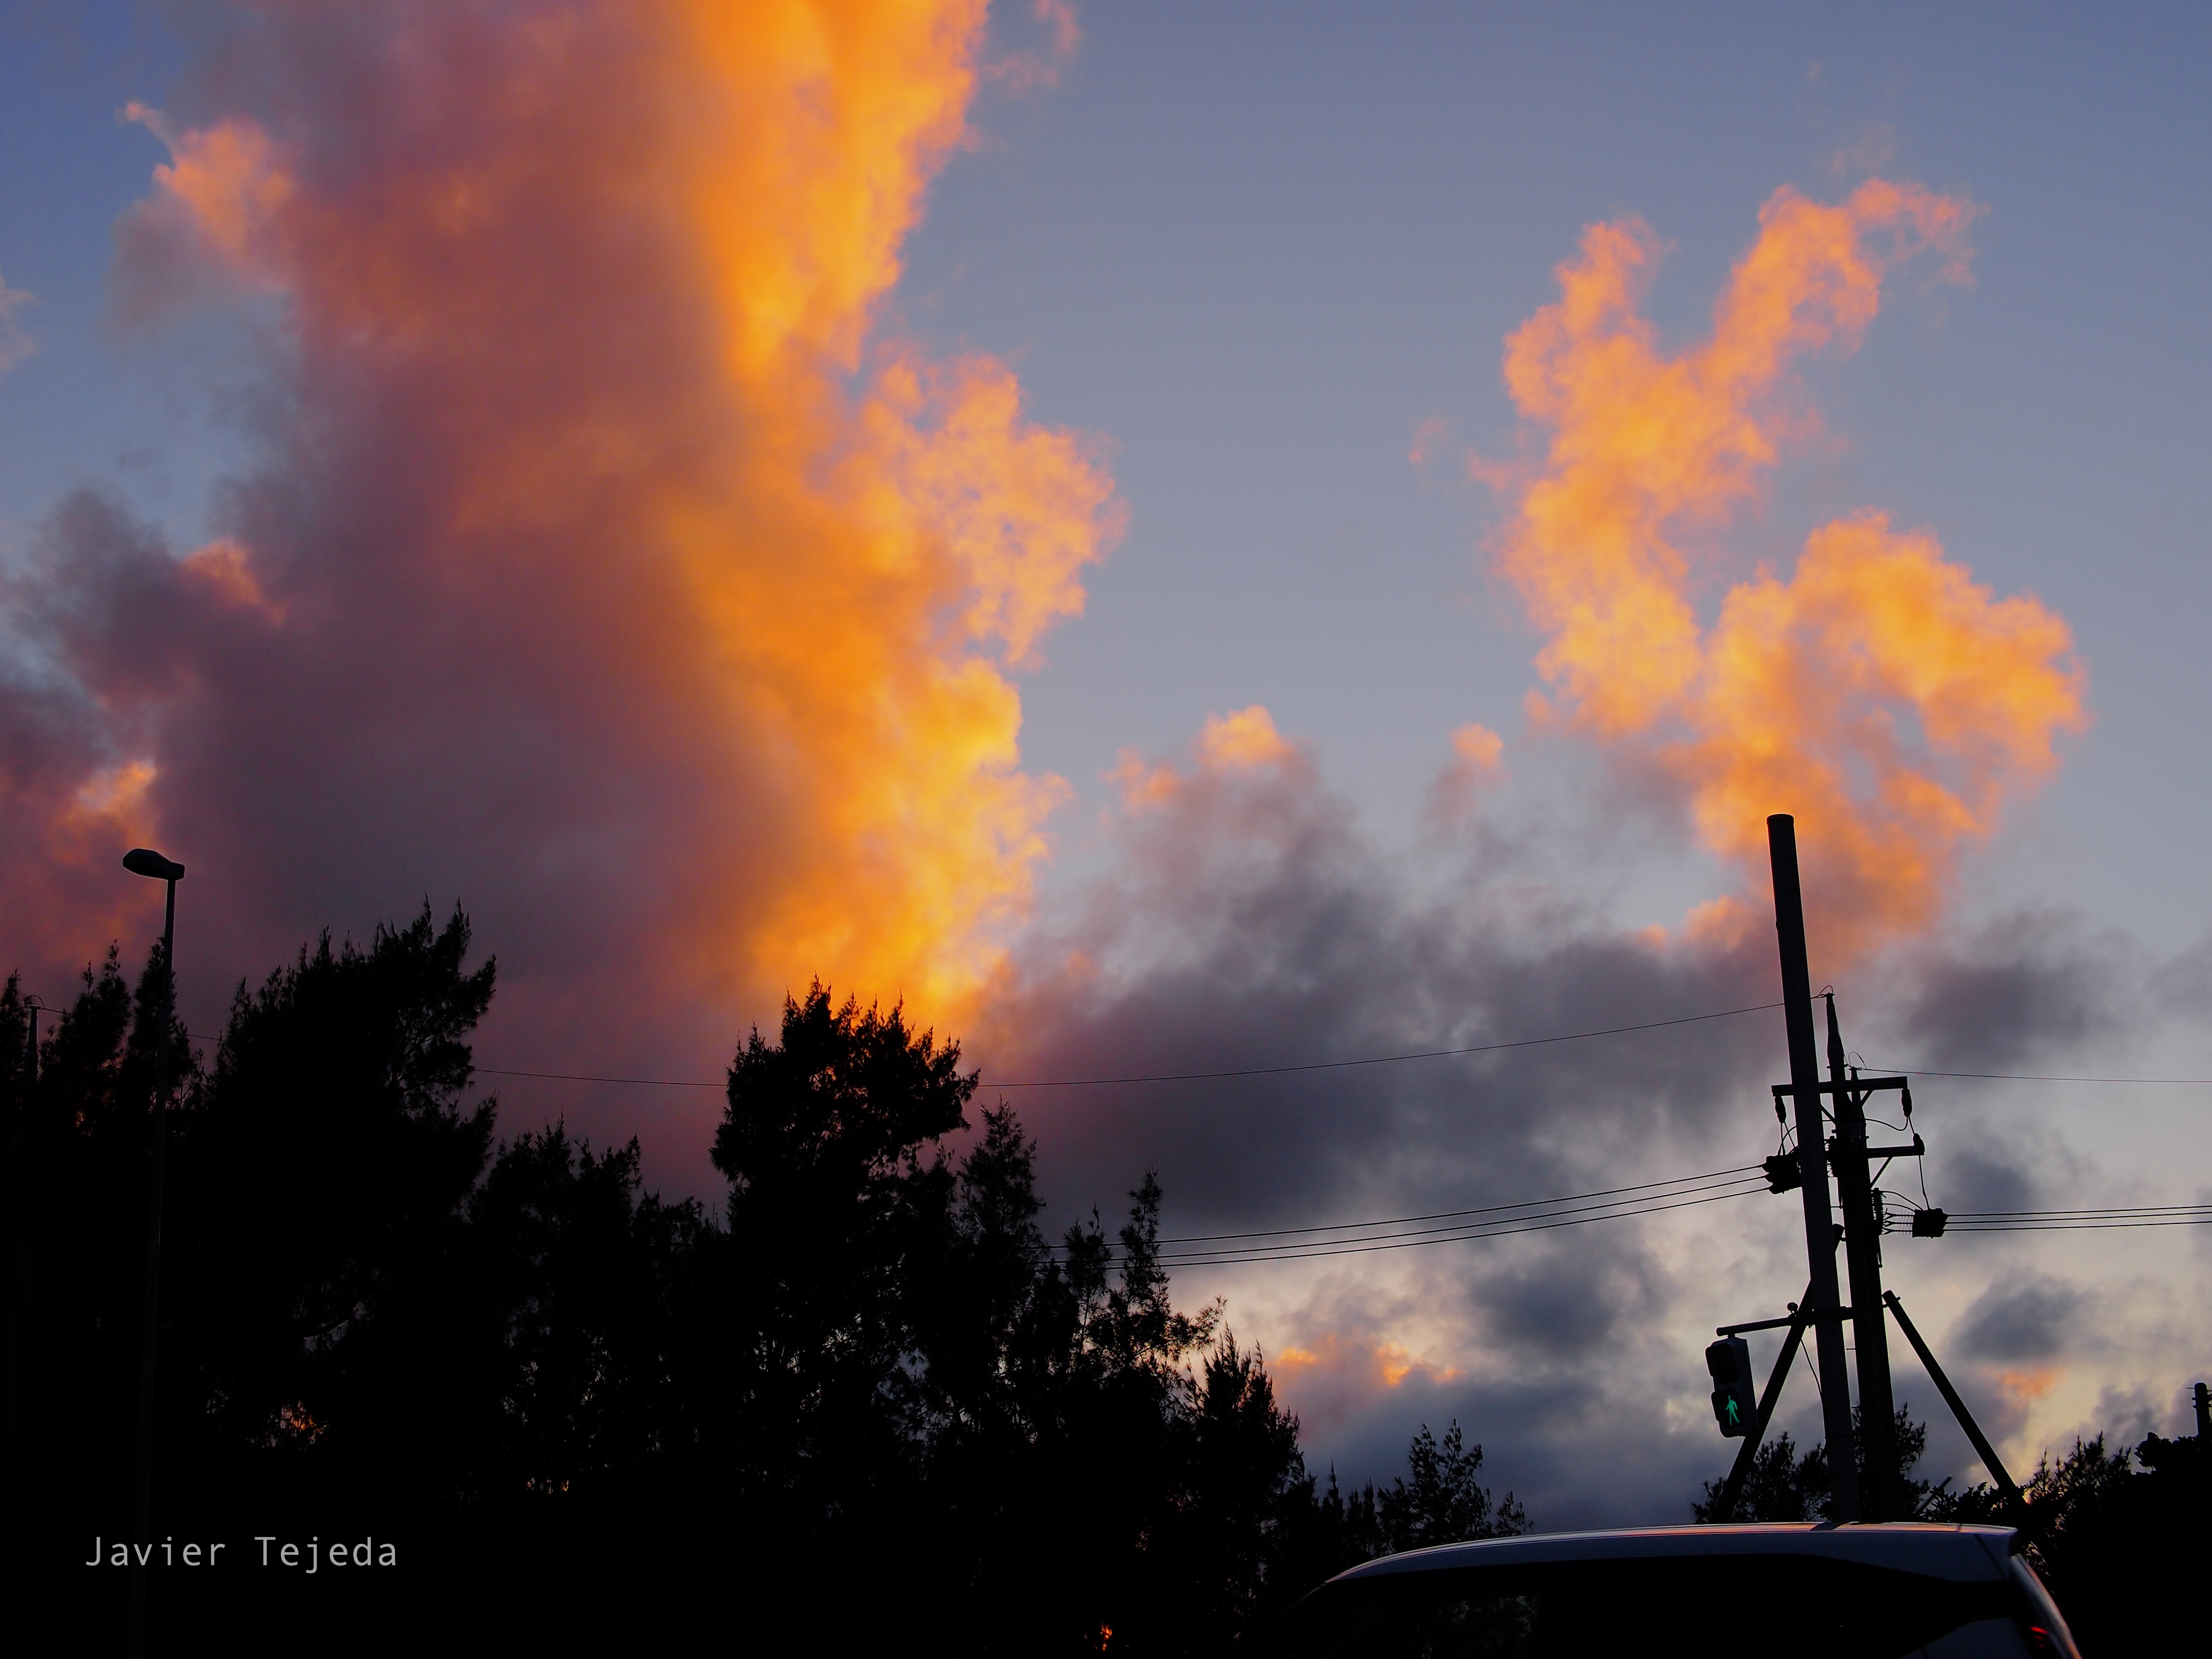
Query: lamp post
(143, 861)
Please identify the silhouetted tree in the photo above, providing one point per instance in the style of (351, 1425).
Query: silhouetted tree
(318, 1278)
(2116, 1548)
(1442, 1503)
(585, 1276)
(868, 1390)
(1786, 1485)
(833, 1210)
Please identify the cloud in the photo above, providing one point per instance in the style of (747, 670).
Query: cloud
(1030, 69)
(15, 341)
(1478, 766)
(607, 561)
(1247, 918)
(2023, 1321)
(1880, 694)
(2023, 986)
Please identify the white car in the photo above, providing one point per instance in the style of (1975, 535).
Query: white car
(1737, 1592)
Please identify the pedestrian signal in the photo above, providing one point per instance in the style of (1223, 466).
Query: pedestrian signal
(1736, 1401)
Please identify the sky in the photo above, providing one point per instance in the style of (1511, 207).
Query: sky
(1182, 539)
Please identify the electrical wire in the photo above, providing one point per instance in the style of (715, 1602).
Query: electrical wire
(1494, 1221)
(2077, 1227)
(1488, 1209)
(1526, 1225)
(2094, 1210)
(1200, 1076)
(2029, 1077)
(2086, 1219)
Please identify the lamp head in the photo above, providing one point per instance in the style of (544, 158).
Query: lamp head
(145, 862)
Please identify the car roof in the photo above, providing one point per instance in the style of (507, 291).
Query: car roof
(1959, 1553)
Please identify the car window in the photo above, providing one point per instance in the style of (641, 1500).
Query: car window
(1810, 1607)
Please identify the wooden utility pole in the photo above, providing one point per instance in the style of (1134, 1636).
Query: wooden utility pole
(1882, 1498)
(1822, 1301)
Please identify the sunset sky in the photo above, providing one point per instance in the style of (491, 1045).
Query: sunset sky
(1183, 539)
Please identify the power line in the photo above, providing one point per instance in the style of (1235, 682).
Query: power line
(2079, 1226)
(2097, 1211)
(1493, 1221)
(2028, 1077)
(2086, 1218)
(2081, 1220)
(1526, 1225)
(1339, 1065)
(1447, 1215)
(1196, 1077)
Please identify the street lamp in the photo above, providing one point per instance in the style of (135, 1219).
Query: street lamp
(143, 861)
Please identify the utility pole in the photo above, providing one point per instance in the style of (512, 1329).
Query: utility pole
(1822, 1301)
(1880, 1500)
(1822, 1308)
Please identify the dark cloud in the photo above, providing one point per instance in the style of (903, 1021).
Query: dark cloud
(2023, 987)
(2023, 1319)
(1983, 1176)
(2182, 988)
(1250, 921)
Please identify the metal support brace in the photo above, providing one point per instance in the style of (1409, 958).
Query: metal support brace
(1982, 1447)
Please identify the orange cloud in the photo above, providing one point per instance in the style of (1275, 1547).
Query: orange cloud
(1478, 748)
(623, 296)
(1478, 764)
(2026, 1387)
(1245, 738)
(1358, 1360)
(226, 181)
(1890, 702)
(1241, 741)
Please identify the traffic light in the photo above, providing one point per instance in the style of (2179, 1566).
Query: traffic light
(1735, 1400)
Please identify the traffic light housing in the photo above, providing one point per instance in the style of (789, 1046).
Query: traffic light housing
(1736, 1399)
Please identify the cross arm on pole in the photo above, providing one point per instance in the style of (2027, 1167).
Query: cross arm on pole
(1805, 1314)
(1849, 1087)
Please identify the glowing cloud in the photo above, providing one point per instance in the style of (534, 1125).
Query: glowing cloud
(1880, 693)
(1245, 740)
(583, 301)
